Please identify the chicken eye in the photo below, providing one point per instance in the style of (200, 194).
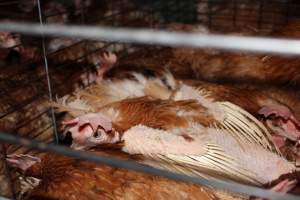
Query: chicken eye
(100, 132)
(275, 124)
(165, 82)
(96, 133)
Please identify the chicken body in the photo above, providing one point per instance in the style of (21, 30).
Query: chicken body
(240, 161)
(177, 133)
(134, 80)
(217, 66)
(223, 67)
(115, 88)
(68, 178)
(282, 117)
(176, 116)
(255, 100)
(241, 68)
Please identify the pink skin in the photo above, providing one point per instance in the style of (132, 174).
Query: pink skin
(7, 40)
(284, 186)
(107, 62)
(22, 161)
(92, 119)
(287, 125)
(90, 129)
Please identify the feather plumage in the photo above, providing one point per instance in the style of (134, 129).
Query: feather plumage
(67, 178)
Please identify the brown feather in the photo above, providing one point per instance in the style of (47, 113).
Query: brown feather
(68, 178)
(157, 113)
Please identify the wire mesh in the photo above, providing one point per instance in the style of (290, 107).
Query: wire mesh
(47, 74)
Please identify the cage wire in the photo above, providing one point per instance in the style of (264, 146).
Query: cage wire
(47, 73)
(30, 117)
(227, 42)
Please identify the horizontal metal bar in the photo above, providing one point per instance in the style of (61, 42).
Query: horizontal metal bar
(144, 36)
(229, 186)
(3, 198)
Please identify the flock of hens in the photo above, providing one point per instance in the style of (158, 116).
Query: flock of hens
(201, 112)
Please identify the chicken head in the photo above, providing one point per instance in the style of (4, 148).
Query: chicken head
(91, 129)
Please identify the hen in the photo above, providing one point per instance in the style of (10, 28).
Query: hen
(264, 103)
(164, 125)
(219, 66)
(121, 83)
(67, 178)
(238, 67)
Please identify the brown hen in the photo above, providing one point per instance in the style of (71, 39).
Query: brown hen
(67, 178)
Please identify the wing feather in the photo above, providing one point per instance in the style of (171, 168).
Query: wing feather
(214, 163)
(232, 118)
(246, 128)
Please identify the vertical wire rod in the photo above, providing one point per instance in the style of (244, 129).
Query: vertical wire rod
(47, 72)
